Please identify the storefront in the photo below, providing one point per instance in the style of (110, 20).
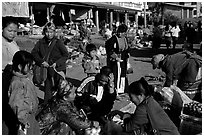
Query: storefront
(74, 11)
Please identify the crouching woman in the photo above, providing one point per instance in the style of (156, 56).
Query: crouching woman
(149, 117)
(60, 116)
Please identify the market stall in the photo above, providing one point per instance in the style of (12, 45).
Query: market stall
(191, 111)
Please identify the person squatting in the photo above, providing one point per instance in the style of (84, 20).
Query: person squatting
(88, 108)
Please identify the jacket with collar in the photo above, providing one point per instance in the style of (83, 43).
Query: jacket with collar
(24, 101)
(160, 119)
(112, 47)
(90, 104)
(58, 55)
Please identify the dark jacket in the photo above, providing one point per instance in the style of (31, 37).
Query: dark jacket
(61, 117)
(90, 104)
(58, 55)
(179, 66)
(112, 46)
(140, 118)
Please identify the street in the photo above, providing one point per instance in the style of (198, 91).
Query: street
(139, 60)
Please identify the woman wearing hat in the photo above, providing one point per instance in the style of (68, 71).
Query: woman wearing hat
(60, 116)
(57, 58)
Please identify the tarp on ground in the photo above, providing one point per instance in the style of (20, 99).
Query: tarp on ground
(15, 9)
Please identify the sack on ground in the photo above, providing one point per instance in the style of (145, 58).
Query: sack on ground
(39, 75)
(129, 68)
(167, 94)
(184, 97)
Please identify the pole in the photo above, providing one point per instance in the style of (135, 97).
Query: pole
(111, 20)
(136, 19)
(32, 19)
(126, 18)
(97, 20)
(70, 15)
(145, 20)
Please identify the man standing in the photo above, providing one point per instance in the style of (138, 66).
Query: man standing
(175, 34)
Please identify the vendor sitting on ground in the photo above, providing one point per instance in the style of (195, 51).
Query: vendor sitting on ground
(96, 96)
(60, 116)
(148, 118)
(181, 69)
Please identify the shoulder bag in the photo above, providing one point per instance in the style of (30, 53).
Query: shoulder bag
(40, 72)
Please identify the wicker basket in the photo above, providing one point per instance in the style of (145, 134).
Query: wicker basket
(190, 125)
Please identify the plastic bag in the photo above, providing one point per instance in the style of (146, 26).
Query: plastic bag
(167, 94)
(129, 67)
(184, 97)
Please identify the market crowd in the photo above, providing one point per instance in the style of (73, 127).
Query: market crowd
(87, 109)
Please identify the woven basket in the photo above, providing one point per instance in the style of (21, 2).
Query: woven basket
(190, 125)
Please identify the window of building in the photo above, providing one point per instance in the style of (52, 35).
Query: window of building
(181, 3)
(193, 3)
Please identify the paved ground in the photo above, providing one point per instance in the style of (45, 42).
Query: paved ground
(140, 61)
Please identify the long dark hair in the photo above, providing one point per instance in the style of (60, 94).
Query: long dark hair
(140, 87)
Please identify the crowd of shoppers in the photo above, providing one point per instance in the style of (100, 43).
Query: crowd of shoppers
(69, 110)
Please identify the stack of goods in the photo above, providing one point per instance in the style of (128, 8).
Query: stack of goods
(191, 119)
(193, 109)
(37, 30)
(155, 80)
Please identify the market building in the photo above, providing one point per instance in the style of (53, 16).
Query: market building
(75, 11)
(183, 9)
(65, 12)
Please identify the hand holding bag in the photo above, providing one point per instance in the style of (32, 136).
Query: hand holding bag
(40, 72)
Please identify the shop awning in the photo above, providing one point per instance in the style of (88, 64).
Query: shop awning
(109, 6)
(98, 5)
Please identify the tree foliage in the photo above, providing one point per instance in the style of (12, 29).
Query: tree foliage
(157, 11)
(170, 18)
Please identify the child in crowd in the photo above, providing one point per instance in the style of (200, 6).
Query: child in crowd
(91, 62)
(22, 93)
